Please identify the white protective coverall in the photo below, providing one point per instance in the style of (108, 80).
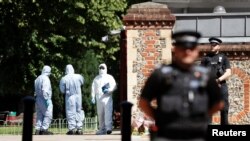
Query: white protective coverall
(70, 85)
(44, 106)
(104, 101)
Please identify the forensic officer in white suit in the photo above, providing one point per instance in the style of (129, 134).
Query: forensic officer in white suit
(44, 105)
(103, 86)
(70, 85)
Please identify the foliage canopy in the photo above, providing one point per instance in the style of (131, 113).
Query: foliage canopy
(35, 33)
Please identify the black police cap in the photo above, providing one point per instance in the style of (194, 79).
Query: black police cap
(214, 40)
(186, 39)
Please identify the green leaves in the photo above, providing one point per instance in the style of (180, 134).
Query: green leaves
(56, 32)
(57, 40)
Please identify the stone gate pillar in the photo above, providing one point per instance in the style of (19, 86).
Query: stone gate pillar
(146, 42)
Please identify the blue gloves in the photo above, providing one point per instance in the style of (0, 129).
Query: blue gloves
(93, 100)
(105, 88)
(106, 91)
(47, 102)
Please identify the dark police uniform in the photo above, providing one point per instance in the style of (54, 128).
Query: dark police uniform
(218, 64)
(183, 96)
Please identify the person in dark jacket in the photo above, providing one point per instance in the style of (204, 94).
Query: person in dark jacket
(220, 66)
(186, 94)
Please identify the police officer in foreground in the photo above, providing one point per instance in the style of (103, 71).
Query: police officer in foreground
(186, 94)
(221, 69)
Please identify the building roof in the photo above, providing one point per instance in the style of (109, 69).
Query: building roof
(207, 6)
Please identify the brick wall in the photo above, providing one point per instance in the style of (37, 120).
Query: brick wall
(238, 83)
(146, 49)
(148, 43)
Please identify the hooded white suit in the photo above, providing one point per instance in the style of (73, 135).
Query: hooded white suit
(104, 99)
(44, 106)
(70, 85)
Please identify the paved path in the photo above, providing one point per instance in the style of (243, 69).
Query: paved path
(86, 137)
(73, 138)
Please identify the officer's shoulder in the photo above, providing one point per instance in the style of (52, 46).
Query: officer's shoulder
(79, 75)
(164, 68)
(109, 76)
(222, 54)
(202, 69)
(95, 79)
(63, 78)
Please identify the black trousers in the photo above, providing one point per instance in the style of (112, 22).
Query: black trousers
(224, 111)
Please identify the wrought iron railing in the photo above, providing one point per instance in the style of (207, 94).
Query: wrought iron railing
(58, 126)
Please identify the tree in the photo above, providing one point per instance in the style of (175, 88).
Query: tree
(35, 33)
